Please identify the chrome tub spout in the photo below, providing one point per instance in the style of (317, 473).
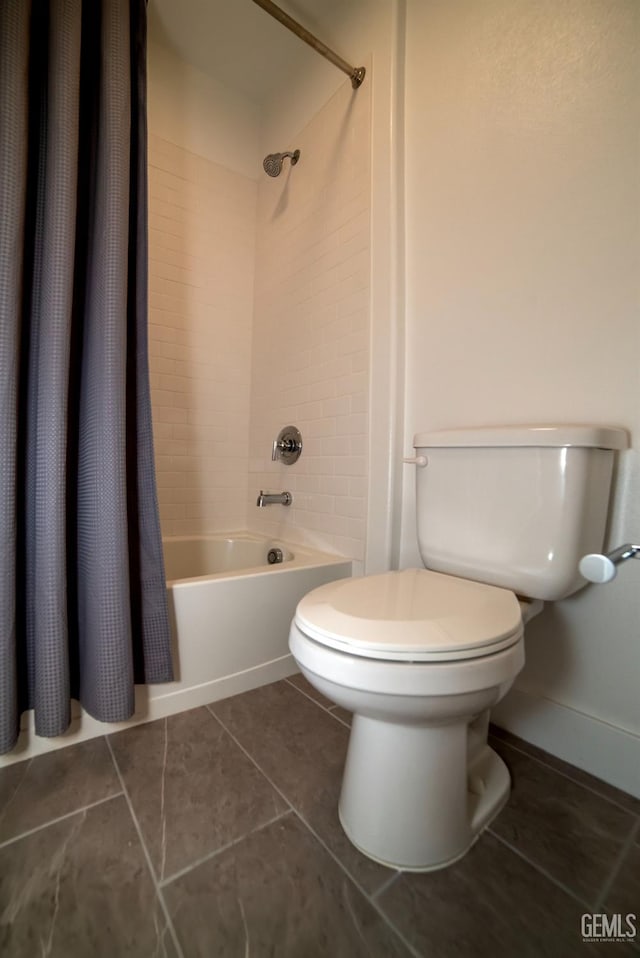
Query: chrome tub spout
(274, 498)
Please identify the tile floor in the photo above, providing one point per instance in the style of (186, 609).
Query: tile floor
(215, 833)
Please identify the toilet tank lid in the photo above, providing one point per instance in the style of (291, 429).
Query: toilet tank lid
(589, 436)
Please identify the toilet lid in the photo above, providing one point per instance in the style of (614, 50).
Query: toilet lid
(413, 615)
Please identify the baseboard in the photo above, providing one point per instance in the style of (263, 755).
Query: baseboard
(148, 708)
(603, 750)
(213, 691)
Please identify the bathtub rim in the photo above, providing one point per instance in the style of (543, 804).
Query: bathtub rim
(304, 557)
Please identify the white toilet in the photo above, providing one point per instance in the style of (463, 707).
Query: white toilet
(420, 656)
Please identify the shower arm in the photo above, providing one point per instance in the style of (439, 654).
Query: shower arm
(355, 73)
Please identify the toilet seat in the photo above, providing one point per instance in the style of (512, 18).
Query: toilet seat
(414, 615)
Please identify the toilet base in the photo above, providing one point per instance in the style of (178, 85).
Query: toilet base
(408, 868)
(413, 797)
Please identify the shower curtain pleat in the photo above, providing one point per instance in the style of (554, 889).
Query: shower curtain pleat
(83, 610)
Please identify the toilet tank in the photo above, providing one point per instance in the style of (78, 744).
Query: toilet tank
(515, 506)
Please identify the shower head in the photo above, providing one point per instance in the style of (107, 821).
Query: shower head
(273, 163)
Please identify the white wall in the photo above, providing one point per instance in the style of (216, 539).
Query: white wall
(200, 114)
(201, 264)
(522, 243)
(203, 148)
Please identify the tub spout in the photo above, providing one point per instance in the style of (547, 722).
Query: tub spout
(274, 498)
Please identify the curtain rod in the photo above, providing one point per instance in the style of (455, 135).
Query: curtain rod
(356, 73)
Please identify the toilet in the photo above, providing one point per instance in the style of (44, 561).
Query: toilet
(420, 656)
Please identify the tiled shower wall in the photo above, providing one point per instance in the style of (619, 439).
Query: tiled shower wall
(311, 331)
(218, 403)
(202, 220)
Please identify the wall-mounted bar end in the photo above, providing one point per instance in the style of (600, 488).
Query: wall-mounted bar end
(357, 77)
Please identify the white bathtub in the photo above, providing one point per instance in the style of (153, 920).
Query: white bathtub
(230, 614)
(190, 557)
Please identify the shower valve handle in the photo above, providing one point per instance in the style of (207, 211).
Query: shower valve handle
(284, 445)
(288, 446)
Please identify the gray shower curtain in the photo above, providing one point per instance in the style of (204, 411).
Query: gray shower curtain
(83, 609)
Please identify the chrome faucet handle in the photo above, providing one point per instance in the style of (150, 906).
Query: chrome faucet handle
(603, 568)
(288, 446)
(282, 448)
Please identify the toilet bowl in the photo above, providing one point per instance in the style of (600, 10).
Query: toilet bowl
(419, 658)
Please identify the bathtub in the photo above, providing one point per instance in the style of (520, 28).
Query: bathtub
(231, 611)
(230, 614)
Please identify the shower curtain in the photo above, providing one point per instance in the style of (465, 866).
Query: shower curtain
(83, 609)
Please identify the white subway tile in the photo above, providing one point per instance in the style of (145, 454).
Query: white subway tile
(260, 317)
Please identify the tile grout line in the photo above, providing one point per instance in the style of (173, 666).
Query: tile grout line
(223, 848)
(371, 898)
(588, 788)
(306, 694)
(319, 704)
(386, 885)
(329, 852)
(538, 868)
(60, 818)
(332, 713)
(25, 771)
(617, 865)
(250, 757)
(145, 851)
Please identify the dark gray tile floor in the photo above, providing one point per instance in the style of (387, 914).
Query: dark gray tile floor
(215, 833)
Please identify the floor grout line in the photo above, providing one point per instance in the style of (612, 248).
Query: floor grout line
(223, 848)
(617, 865)
(23, 778)
(145, 851)
(306, 695)
(538, 868)
(60, 818)
(250, 757)
(328, 710)
(570, 778)
(327, 849)
(368, 897)
(332, 713)
(386, 885)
